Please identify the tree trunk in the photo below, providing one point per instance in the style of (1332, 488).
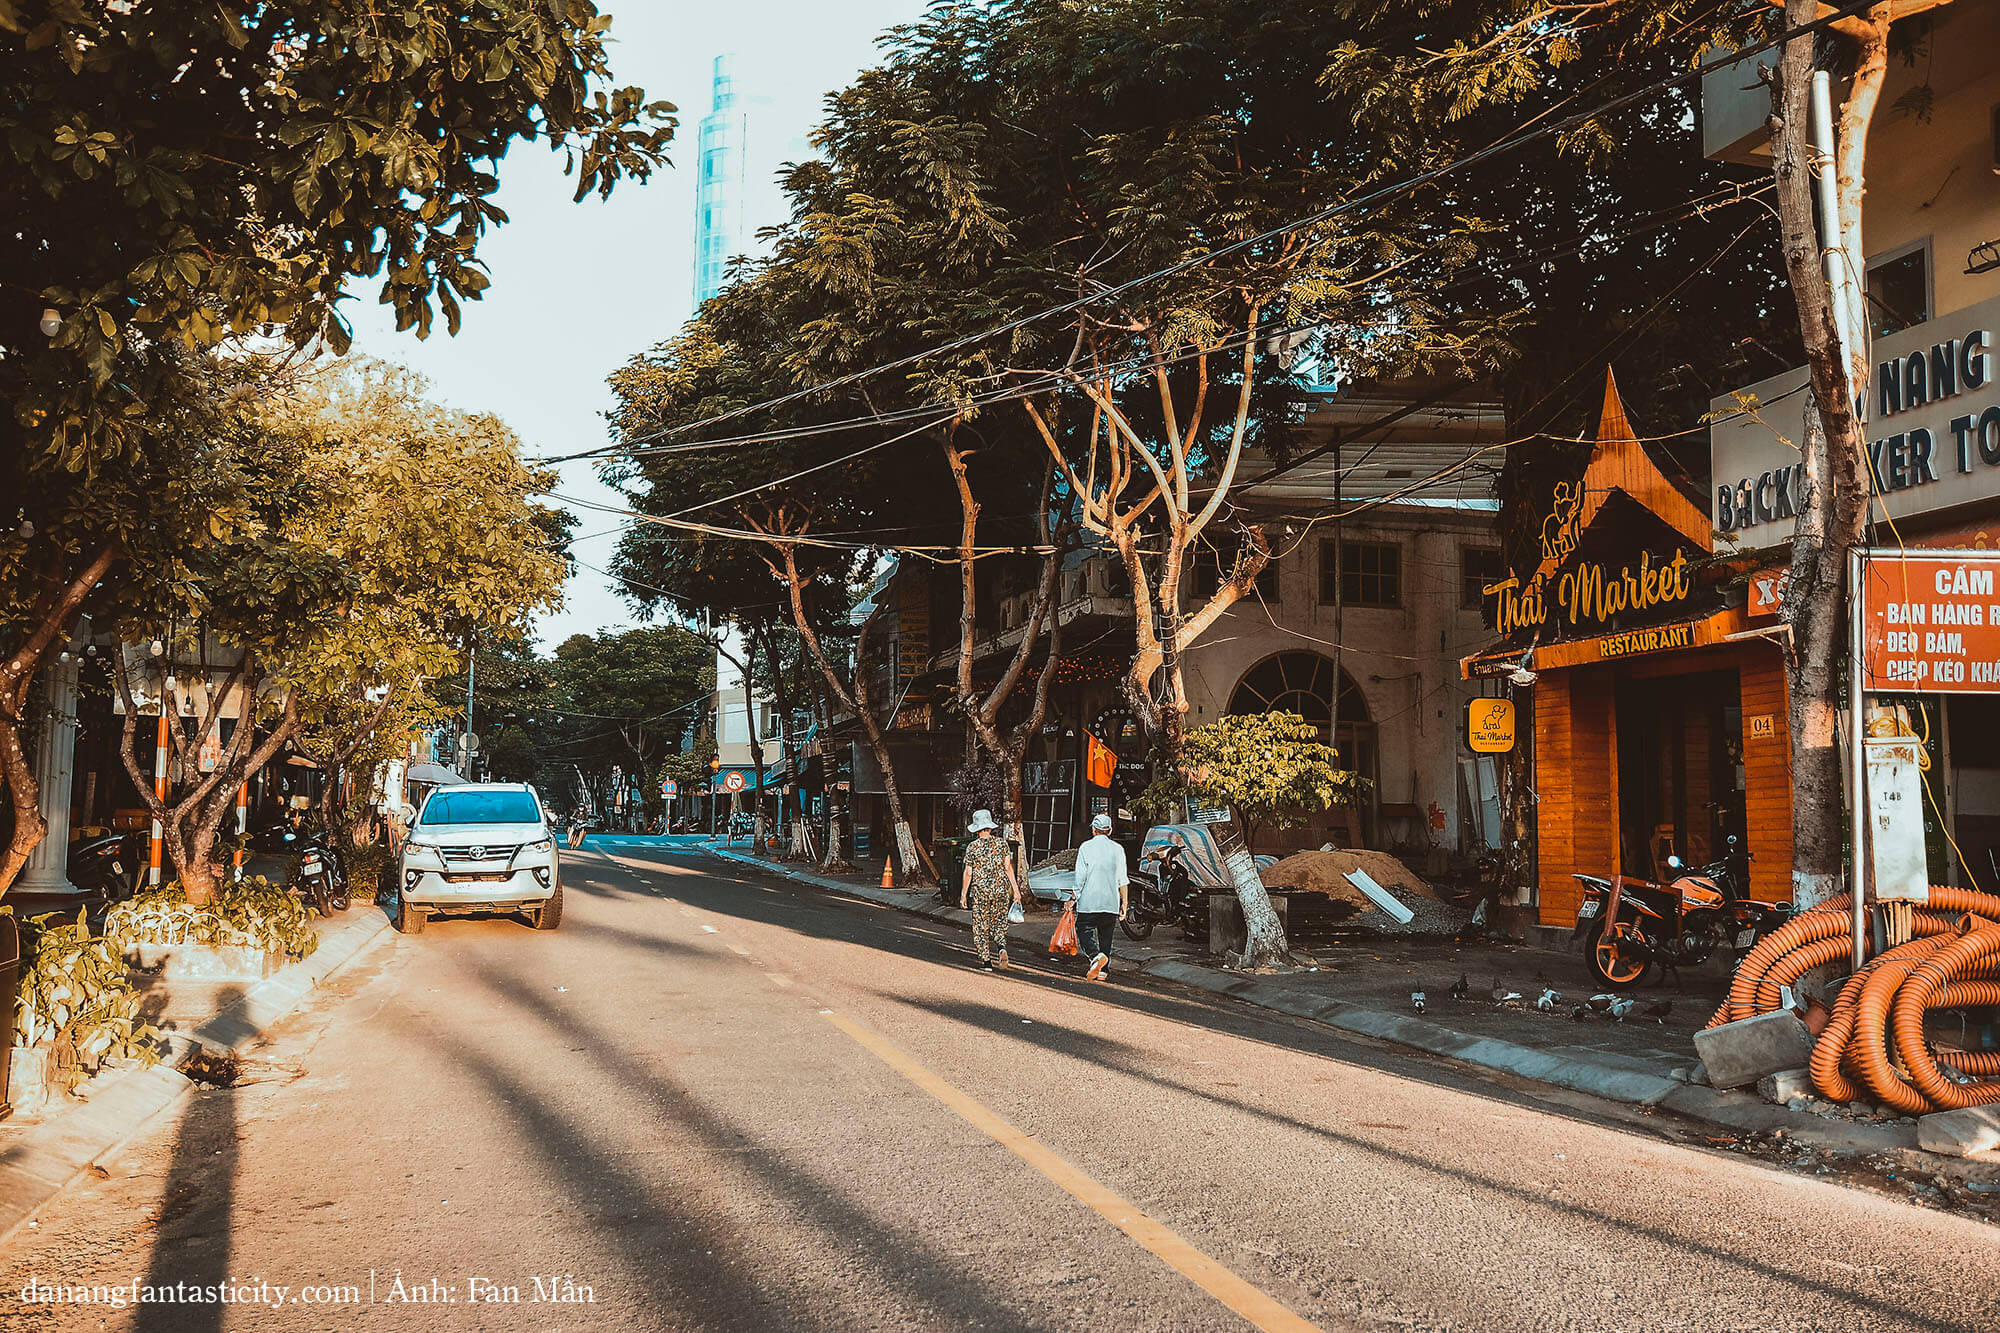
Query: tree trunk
(1833, 517)
(189, 826)
(51, 618)
(856, 701)
(1264, 946)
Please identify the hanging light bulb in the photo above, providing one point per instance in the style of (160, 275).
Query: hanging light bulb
(172, 684)
(51, 322)
(27, 528)
(63, 656)
(157, 648)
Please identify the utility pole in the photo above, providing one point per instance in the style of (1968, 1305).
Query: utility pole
(471, 663)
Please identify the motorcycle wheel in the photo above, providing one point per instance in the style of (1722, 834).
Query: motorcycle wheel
(341, 901)
(1135, 928)
(1614, 966)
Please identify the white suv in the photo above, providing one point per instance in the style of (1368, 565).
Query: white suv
(481, 847)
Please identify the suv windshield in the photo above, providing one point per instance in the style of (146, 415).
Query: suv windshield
(481, 807)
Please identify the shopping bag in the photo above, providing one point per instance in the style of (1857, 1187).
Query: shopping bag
(1064, 940)
(1015, 914)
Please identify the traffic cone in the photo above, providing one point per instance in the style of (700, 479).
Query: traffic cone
(888, 875)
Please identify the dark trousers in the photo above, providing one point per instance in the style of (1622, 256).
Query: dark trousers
(1093, 933)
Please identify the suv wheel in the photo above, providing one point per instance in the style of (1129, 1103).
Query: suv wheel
(549, 915)
(410, 919)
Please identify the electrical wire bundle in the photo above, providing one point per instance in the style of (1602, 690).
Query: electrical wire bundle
(1943, 954)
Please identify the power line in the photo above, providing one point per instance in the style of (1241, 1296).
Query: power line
(1381, 194)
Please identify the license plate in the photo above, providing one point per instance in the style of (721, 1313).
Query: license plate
(1745, 938)
(1589, 907)
(310, 865)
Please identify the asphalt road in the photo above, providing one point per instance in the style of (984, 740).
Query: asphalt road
(715, 1102)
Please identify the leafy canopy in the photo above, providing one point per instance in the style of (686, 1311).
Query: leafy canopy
(1271, 769)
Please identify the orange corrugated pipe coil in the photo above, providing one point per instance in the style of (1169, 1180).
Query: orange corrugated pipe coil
(1873, 1045)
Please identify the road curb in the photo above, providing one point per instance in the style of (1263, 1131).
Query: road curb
(1736, 1111)
(39, 1164)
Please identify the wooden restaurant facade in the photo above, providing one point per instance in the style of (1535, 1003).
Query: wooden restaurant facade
(1652, 699)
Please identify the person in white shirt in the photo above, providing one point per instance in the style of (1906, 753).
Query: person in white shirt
(1101, 894)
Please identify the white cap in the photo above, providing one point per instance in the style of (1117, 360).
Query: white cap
(1101, 823)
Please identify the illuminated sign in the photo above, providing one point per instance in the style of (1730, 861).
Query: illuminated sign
(1589, 594)
(1489, 725)
(1633, 642)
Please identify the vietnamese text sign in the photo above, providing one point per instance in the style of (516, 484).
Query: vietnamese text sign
(1932, 622)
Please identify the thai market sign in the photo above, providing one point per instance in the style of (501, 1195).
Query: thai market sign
(1931, 622)
(1932, 412)
(1585, 593)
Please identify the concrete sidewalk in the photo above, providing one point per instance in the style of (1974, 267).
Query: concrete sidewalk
(1537, 1046)
(39, 1160)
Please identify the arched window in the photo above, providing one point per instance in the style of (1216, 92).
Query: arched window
(1299, 683)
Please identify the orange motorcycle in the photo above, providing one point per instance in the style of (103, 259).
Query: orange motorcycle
(1627, 925)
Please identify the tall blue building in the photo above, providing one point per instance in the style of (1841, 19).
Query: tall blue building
(718, 222)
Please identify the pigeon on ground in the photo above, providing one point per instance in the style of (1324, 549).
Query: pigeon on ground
(1601, 1003)
(1660, 1009)
(1458, 989)
(1417, 1000)
(1620, 1008)
(1548, 1000)
(1580, 1012)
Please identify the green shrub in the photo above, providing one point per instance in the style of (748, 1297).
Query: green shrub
(368, 870)
(76, 997)
(252, 912)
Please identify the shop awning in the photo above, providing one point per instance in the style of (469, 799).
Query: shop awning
(1674, 636)
(433, 775)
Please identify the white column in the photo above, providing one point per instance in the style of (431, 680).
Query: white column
(55, 772)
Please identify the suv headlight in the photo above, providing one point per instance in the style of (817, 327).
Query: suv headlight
(538, 848)
(422, 854)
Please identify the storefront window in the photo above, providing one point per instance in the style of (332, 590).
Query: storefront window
(1899, 291)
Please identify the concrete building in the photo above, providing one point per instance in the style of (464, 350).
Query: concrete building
(1929, 261)
(721, 166)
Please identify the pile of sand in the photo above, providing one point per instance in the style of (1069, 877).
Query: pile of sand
(1326, 873)
(1063, 860)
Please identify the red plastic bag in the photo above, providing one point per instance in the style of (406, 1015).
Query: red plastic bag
(1064, 940)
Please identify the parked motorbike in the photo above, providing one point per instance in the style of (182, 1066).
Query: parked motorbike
(1164, 891)
(318, 876)
(108, 865)
(1629, 924)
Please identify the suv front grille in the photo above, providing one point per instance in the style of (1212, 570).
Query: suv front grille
(479, 852)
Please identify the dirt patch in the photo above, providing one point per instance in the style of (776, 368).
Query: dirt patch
(1326, 873)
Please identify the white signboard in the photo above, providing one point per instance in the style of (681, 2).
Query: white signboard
(1896, 820)
(1932, 408)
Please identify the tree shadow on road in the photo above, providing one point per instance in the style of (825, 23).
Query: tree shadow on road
(1119, 1057)
(680, 1252)
(197, 1209)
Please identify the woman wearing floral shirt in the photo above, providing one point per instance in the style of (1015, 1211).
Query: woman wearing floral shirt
(988, 889)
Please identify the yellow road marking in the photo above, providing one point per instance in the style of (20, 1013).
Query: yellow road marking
(1256, 1306)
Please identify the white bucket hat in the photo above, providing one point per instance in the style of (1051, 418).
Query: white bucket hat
(981, 821)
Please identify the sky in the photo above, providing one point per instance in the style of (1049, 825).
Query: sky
(579, 288)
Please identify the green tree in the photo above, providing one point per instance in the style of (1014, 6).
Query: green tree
(185, 173)
(1270, 769)
(1510, 54)
(375, 525)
